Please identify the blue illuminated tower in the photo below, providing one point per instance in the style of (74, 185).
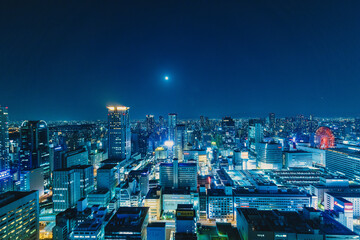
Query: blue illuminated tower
(34, 148)
(119, 133)
(172, 122)
(5, 178)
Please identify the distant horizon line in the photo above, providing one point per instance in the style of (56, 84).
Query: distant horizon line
(198, 118)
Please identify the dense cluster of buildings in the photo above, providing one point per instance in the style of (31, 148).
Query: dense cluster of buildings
(273, 178)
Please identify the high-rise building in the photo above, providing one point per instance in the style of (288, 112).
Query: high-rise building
(150, 123)
(178, 175)
(172, 122)
(161, 121)
(106, 178)
(180, 140)
(119, 133)
(86, 179)
(75, 157)
(5, 177)
(272, 121)
(19, 212)
(34, 148)
(66, 189)
(269, 156)
(256, 133)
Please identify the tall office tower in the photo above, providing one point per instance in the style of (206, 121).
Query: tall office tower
(180, 140)
(178, 175)
(150, 124)
(19, 213)
(119, 133)
(106, 178)
(66, 189)
(269, 156)
(256, 133)
(34, 148)
(202, 122)
(272, 121)
(172, 122)
(161, 122)
(86, 179)
(228, 127)
(5, 177)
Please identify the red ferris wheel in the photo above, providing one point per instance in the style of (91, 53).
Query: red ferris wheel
(324, 138)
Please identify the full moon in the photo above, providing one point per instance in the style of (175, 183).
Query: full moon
(166, 78)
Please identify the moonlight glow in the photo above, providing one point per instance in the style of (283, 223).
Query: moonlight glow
(166, 78)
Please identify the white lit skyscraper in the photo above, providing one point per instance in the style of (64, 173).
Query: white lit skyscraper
(119, 133)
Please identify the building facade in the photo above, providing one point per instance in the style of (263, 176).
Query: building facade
(119, 134)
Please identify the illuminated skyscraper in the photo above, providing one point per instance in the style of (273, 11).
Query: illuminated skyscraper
(5, 178)
(172, 122)
(180, 140)
(150, 123)
(256, 133)
(178, 175)
(119, 133)
(66, 189)
(34, 148)
(272, 120)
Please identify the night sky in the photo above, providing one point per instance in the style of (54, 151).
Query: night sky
(64, 61)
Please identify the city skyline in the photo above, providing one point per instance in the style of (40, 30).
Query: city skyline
(173, 120)
(237, 59)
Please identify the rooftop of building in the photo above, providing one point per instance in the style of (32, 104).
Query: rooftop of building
(274, 220)
(286, 192)
(127, 219)
(63, 170)
(89, 226)
(297, 151)
(110, 161)
(81, 166)
(185, 212)
(157, 225)
(107, 166)
(152, 193)
(181, 164)
(226, 229)
(100, 191)
(12, 196)
(293, 222)
(344, 194)
(183, 191)
(346, 151)
(143, 172)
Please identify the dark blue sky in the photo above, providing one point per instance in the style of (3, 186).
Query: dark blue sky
(239, 58)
